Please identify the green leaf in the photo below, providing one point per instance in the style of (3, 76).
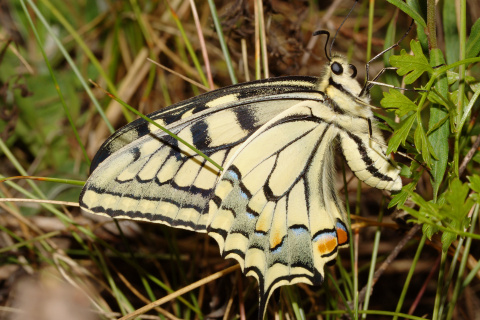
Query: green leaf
(454, 211)
(412, 66)
(439, 127)
(447, 239)
(401, 197)
(423, 145)
(420, 8)
(394, 99)
(401, 135)
(473, 42)
(474, 85)
(475, 186)
(436, 98)
(474, 183)
(450, 211)
(455, 205)
(436, 126)
(429, 230)
(453, 77)
(410, 11)
(450, 31)
(405, 171)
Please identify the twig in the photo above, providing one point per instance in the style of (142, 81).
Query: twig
(469, 156)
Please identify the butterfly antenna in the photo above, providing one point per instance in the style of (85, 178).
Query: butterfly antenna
(336, 33)
(319, 32)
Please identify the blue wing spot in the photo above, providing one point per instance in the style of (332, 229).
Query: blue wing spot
(232, 174)
(325, 236)
(277, 249)
(243, 195)
(250, 215)
(298, 231)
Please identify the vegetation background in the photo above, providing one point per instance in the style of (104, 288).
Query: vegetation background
(52, 121)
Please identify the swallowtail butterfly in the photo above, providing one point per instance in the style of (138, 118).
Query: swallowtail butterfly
(274, 208)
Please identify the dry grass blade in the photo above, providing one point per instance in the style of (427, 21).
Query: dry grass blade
(180, 292)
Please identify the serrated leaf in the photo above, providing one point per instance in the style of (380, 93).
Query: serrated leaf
(401, 135)
(429, 230)
(447, 239)
(413, 66)
(473, 42)
(394, 99)
(455, 197)
(400, 198)
(405, 171)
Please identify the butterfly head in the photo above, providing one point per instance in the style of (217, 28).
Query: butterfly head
(341, 75)
(340, 68)
(342, 89)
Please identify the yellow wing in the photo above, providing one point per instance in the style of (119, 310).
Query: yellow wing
(142, 173)
(275, 209)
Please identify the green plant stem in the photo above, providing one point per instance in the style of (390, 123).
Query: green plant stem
(461, 83)
(461, 269)
(189, 47)
(438, 295)
(431, 24)
(474, 270)
(371, 272)
(223, 44)
(463, 39)
(410, 274)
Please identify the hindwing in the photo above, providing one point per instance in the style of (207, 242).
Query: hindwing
(275, 209)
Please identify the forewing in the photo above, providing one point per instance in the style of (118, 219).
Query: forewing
(156, 178)
(297, 87)
(275, 209)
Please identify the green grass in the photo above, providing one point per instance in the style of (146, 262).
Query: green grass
(52, 121)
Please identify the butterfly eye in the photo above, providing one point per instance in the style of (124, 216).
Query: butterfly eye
(354, 70)
(337, 68)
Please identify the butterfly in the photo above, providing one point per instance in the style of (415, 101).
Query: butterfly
(274, 208)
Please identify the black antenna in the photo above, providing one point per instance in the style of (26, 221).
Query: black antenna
(319, 32)
(336, 33)
(328, 53)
